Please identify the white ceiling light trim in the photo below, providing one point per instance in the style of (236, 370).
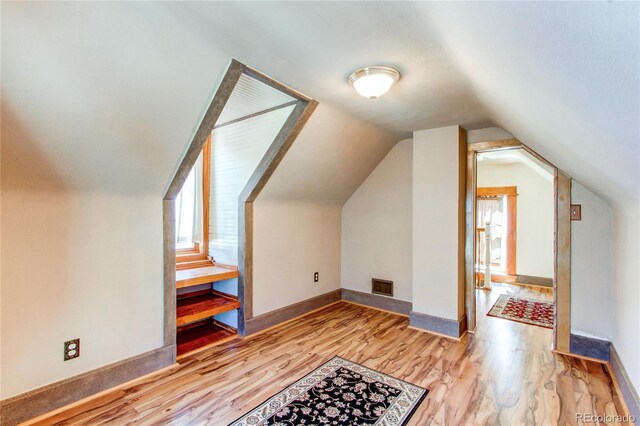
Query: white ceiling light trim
(373, 82)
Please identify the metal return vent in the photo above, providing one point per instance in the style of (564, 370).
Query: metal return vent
(384, 287)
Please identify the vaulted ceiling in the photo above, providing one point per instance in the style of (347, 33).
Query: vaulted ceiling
(107, 95)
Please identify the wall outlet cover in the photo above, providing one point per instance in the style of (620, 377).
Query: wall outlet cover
(71, 349)
(316, 277)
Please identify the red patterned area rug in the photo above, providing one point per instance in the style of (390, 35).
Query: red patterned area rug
(527, 311)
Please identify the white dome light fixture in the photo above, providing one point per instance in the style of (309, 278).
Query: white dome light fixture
(373, 82)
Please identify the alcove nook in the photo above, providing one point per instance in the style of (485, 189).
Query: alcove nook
(246, 131)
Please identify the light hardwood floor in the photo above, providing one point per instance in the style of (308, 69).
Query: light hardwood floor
(510, 334)
(504, 374)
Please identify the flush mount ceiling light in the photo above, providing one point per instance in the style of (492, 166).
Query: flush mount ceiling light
(373, 82)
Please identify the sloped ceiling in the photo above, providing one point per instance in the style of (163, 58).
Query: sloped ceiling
(562, 77)
(107, 95)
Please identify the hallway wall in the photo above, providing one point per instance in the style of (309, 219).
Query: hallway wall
(535, 214)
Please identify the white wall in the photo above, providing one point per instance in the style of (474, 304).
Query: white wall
(591, 266)
(436, 262)
(626, 286)
(94, 138)
(77, 264)
(377, 226)
(297, 216)
(535, 214)
(292, 240)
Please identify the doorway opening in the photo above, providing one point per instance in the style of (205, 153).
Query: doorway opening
(514, 246)
(517, 245)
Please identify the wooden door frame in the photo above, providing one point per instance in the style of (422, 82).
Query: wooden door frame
(562, 240)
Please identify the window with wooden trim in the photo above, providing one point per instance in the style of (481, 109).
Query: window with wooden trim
(498, 207)
(192, 208)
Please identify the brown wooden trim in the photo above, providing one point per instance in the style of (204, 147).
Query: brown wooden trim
(533, 280)
(225, 265)
(489, 191)
(206, 192)
(189, 250)
(181, 258)
(590, 347)
(494, 145)
(623, 384)
(539, 157)
(512, 233)
(68, 391)
(169, 270)
(562, 264)
(442, 326)
(434, 333)
(288, 313)
(578, 356)
(194, 264)
(383, 303)
(42, 419)
(462, 191)
(470, 239)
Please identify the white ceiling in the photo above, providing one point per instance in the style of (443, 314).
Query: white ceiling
(107, 95)
(518, 155)
(314, 46)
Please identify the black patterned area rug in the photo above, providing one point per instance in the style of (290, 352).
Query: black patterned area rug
(339, 392)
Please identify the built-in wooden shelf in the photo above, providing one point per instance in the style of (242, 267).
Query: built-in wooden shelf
(193, 264)
(203, 304)
(190, 257)
(208, 274)
(201, 335)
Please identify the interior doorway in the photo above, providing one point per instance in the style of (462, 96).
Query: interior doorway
(516, 246)
(513, 260)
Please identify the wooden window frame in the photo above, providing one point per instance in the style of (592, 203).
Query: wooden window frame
(199, 250)
(511, 192)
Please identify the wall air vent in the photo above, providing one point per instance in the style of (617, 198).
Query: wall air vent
(384, 287)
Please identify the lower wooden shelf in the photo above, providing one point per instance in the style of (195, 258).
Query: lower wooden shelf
(200, 335)
(203, 304)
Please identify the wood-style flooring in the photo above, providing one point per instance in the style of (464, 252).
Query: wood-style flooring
(511, 334)
(504, 374)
